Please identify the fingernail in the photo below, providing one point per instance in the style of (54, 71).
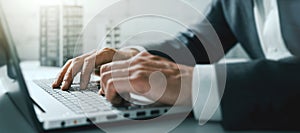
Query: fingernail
(53, 85)
(64, 85)
(54, 82)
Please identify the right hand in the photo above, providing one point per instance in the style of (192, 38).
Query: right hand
(86, 64)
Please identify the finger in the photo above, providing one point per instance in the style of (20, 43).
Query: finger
(87, 70)
(137, 85)
(144, 59)
(61, 75)
(123, 63)
(68, 79)
(113, 74)
(121, 99)
(101, 91)
(104, 56)
(117, 65)
(114, 65)
(77, 62)
(117, 85)
(127, 72)
(156, 64)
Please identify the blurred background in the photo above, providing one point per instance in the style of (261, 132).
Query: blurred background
(47, 30)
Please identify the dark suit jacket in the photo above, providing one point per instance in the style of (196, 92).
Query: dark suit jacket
(261, 94)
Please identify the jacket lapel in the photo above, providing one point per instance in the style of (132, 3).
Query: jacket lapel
(248, 6)
(290, 24)
(240, 15)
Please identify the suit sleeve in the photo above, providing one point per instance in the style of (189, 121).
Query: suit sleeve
(210, 31)
(262, 94)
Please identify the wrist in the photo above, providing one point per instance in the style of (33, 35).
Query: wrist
(186, 92)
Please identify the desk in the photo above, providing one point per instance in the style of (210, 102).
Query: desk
(11, 121)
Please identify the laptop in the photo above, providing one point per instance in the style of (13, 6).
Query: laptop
(45, 108)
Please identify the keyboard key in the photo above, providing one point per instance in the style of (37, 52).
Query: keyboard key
(79, 101)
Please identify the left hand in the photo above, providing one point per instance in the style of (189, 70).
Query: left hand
(148, 75)
(86, 63)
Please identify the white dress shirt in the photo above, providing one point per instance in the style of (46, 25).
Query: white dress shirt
(205, 82)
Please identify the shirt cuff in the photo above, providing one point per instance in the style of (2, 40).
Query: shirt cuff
(205, 95)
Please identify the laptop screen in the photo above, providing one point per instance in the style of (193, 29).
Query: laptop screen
(11, 79)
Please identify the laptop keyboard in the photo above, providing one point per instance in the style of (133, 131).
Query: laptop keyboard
(79, 101)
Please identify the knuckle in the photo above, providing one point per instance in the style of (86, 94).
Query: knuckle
(70, 60)
(109, 83)
(139, 67)
(108, 49)
(153, 57)
(138, 76)
(104, 77)
(141, 73)
(77, 59)
(144, 64)
(87, 60)
(138, 61)
(68, 77)
(133, 78)
(69, 71)
(103, 68)
(138, 85)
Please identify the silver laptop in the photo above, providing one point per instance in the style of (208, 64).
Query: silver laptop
(46, 108)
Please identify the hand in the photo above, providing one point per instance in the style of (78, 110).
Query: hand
(151, 76)
(86, 64)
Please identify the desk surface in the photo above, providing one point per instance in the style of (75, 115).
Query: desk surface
(12, 121)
